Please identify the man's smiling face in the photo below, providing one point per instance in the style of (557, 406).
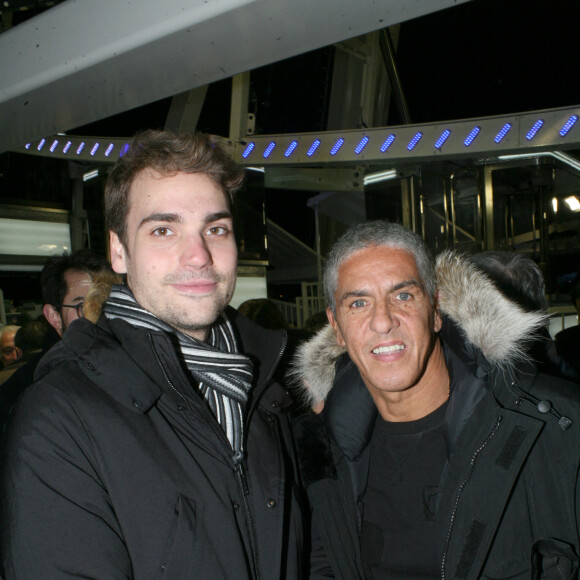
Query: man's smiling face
(385, 319)
(180, 254)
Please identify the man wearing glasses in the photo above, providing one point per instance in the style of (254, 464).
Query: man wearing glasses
(65, 281)
(64, 284)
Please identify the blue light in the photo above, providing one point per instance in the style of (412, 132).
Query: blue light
(67, 147)
(313, 148)
(269, 149)
(361, 145)
(444, 136)
(568, 125)
(80, 148)
(388, 142)
(413, 142)
(124, 150)
(503, 132)
(94, 149)
(337, 146)
(41, 144)
(248, 150)
(535, 128)
(27, 146)
(472, 135)
(291, 148)
(109, 149)
(54, 145)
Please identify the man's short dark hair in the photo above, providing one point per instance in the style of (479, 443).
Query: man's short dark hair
(377, 233)
(30, 335)
(166, 153)
(52, 281)
(517, 277)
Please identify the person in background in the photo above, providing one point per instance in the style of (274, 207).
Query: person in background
(8, 352)
(520, 279)
(156, 442)
(28, 340)
(440, 452)
(64, 283)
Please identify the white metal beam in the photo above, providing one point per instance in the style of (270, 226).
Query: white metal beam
(82, 60)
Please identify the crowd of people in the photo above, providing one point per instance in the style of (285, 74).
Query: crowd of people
(427, 427)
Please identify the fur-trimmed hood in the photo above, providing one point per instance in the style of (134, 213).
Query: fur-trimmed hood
(496, 327)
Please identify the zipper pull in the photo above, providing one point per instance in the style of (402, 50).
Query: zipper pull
(239, 468)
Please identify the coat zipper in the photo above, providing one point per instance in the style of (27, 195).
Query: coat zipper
(460, 492)
(236, 462)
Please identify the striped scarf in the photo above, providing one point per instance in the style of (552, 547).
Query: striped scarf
(224, 376)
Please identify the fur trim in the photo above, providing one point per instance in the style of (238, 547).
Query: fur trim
(493, 324)
(313, 365)
(99, 290)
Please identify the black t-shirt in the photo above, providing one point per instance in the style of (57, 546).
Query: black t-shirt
(398, 534)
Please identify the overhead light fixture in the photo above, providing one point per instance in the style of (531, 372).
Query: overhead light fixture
(380, 176)
(257, 169)
(90, 175)
(573, 203)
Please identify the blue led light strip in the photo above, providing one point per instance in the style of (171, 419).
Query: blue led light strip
(568, 125)
(109, 149)
(413, 142)
(443, 137)
(313, 148)
(80, 148)
(248, 150)
(502, 133)
(534, 130)
(388, 142)
(54, 145)
(41, 144)
(291, 148)
(269, 150)
(67, 147)
(363, 143)
(472, 135)
(124, 149)
(337, 146)
(95, 149)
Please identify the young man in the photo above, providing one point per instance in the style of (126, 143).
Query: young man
(155, 443)
(439, 453)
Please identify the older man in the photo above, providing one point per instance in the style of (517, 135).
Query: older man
(439, 453)
(155, 443)
(9, 352)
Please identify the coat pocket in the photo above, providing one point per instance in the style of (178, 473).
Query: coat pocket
(554, 560)
(178, 561)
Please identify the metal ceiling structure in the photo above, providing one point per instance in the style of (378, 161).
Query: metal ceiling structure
(82, 61)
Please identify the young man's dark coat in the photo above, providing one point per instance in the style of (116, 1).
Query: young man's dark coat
(114, 467)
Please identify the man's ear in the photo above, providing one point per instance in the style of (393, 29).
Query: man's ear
(335, 327)
(53, 317)
(117, 254)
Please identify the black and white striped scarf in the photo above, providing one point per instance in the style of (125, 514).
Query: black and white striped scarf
(224, 376)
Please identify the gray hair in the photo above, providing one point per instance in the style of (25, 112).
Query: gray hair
(377, 233)
(518, 278)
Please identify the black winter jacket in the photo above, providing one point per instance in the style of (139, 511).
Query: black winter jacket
(113, 468)
(509, 495)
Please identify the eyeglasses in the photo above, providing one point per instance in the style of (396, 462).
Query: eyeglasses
(78, 307)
